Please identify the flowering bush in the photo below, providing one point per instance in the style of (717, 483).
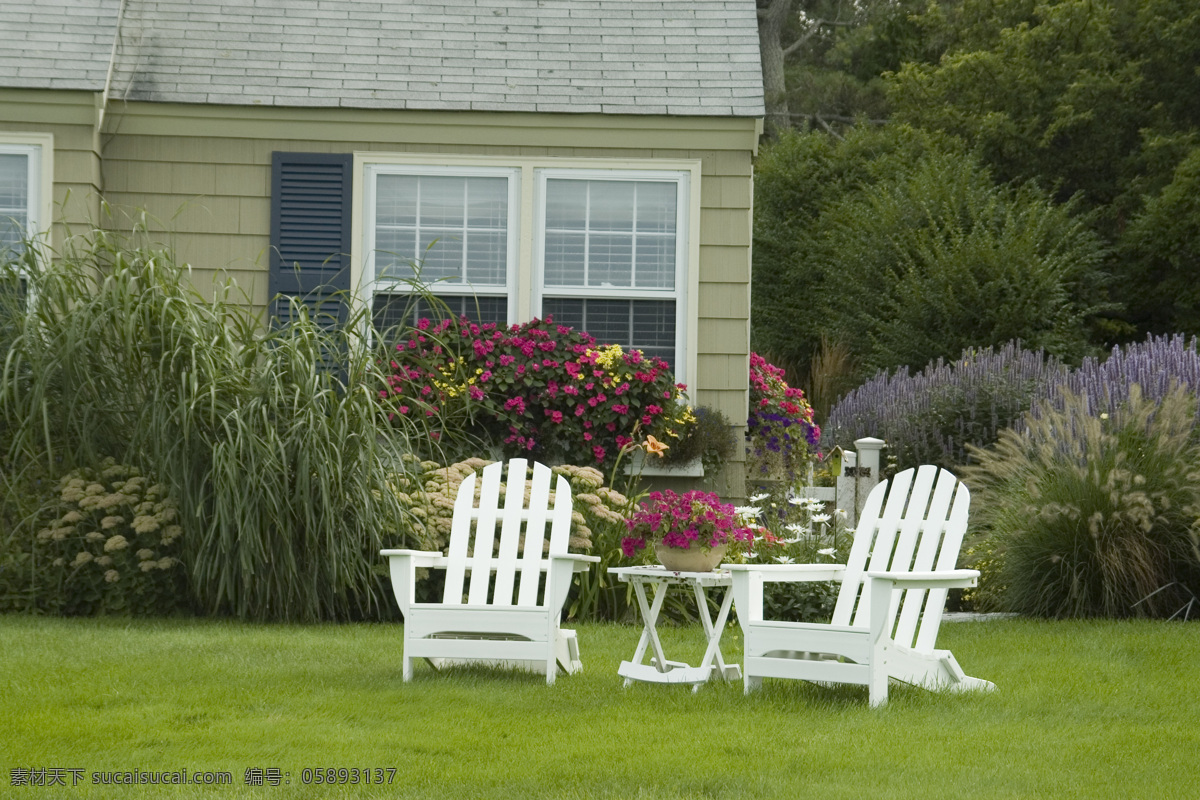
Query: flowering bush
(683, 521)
(780, 428)
(536, 389)
(111, 544)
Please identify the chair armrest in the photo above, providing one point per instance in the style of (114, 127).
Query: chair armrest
(420, 558)
(941, 579)
(790, 572)
(581, 561)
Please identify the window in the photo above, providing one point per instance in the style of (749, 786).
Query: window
(602, 249)
(610, 255)
(23, 194)
(451, 232)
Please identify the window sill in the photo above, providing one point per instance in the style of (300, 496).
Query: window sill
(637, 465)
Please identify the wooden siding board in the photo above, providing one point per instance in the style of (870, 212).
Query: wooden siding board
(724, 336)
(724, 301)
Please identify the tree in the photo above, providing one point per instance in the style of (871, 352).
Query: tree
(898, 244)
(1091, 98)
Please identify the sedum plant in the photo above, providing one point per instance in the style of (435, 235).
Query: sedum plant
(111, 544)
(1093, 514)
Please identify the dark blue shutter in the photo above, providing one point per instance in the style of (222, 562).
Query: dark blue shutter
(311, 200)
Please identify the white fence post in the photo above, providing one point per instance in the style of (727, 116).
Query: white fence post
(866, 471)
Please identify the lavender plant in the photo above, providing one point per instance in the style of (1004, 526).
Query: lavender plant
(1155, 365)
(930, 417)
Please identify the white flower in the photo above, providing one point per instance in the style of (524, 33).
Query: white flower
(758, 498)
(826, 551)
(747, 511)
(841, 512)
(796, 501)
(796, 527)
(820, 518)
(785, 559)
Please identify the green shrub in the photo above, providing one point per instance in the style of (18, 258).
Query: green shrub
(280, 462)
(1092, 514)
(110, 542)
(898, 245)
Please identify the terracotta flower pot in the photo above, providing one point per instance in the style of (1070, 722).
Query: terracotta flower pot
(694, 559)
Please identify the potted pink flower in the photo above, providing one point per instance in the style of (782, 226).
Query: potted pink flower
(690, 532)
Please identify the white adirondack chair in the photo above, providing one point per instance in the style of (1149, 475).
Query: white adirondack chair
(893, 591)
(489, 624)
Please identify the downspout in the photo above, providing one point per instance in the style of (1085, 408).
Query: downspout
(112, 63)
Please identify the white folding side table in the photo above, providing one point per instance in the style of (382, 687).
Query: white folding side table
(661, 670)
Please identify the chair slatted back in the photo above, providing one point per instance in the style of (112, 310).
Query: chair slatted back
(913, 523)
(474, 544)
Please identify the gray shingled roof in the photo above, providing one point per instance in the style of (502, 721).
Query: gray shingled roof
(611, 56)
(56, 44)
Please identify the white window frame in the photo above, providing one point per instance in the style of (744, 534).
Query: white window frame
(526, 212)
(39, 148)
(678, 292)
(370, 282)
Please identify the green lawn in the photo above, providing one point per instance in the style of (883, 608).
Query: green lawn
(1082, 709)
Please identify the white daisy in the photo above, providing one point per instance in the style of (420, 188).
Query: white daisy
(758, 498)
(820, 518)
(785, 559)
(826, 551)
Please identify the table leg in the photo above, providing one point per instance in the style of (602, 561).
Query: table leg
(650, 614)
(713, 631)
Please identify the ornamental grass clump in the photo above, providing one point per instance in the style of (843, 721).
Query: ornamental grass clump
(689, 521)
(933, 416)
(780, 431)
(1093, 514)
(537, 389)
(270, 438)
(111, 543)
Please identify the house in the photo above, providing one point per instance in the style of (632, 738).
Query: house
(589, 159)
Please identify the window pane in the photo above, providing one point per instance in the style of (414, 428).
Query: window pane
(656, 207)
(394, 309)
(566, 205)
(395, 253)
(14, 200)
(487, 203)
(441, 254)
(655, 262)
(456, 227)
(487, 255)
(396, 200)
(610, 260)
(611, 233)
(646, 325)
(611, 207)
(442, 200)
(565, 259)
